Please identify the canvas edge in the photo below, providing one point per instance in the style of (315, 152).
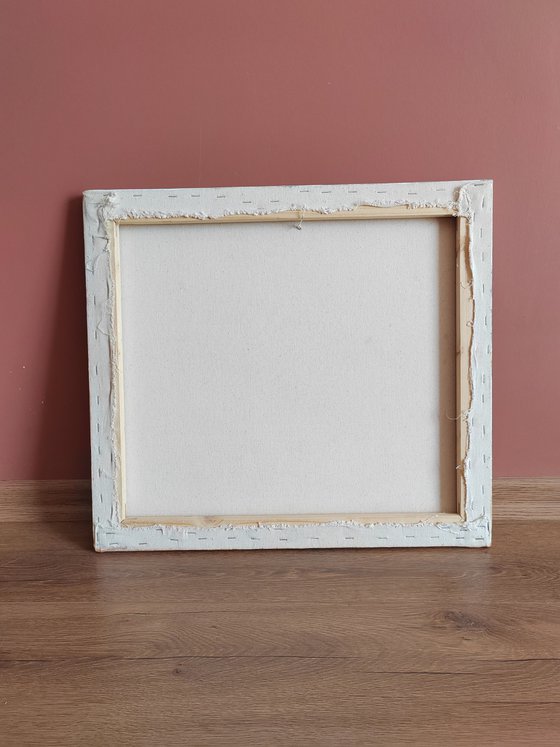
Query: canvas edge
(471, 199)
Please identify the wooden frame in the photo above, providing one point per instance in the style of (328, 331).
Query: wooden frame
(469, 202)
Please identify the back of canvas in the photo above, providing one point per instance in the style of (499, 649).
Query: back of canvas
(274, 369)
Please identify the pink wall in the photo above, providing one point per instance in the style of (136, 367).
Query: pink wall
(138, 93)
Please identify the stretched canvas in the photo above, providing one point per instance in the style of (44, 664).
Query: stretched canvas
(290, 366)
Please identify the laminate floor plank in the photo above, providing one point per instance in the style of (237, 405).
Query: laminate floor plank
(351, 647)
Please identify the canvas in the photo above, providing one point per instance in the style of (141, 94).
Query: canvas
(290, 366)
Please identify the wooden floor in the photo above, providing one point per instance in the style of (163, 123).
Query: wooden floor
(346, 647)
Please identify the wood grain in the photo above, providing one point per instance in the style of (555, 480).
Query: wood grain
(464, 317)
(431, 646)
(530, 498)
(45, 500)
(70, 500)
(239, 519)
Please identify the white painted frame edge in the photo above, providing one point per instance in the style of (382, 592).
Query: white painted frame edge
(104, 210)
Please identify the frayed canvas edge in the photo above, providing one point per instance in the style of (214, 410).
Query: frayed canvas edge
(303, 535)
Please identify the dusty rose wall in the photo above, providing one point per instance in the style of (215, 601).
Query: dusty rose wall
(138, 93)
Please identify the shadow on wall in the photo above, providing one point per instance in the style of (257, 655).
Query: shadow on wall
(62, 449)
